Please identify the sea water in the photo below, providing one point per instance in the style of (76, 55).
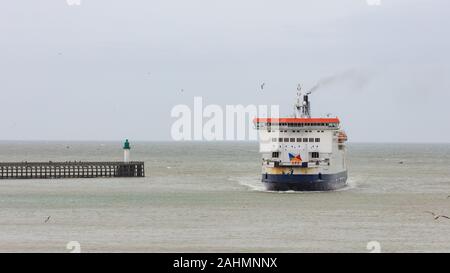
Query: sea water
(207, 197)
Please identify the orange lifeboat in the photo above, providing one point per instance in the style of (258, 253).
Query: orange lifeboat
(342, 137)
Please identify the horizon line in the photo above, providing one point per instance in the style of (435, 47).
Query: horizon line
(206, 141)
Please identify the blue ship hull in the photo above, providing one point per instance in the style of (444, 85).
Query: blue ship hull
(305, 182)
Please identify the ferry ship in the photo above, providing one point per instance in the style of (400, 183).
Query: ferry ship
(302, 153)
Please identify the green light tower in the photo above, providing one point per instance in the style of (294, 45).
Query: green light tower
(126, 151)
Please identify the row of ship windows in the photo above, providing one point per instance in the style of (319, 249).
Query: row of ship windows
(313, 154)
(293, 139)
(294, 131)
(303, 124)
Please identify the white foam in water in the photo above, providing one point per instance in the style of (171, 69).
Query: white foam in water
(351, 184)
(251, 182)
(254, 184)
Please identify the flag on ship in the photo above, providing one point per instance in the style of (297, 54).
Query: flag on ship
(295, 158)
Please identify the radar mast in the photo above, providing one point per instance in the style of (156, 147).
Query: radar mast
(302, 105)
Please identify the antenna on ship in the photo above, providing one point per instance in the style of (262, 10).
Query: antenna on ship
(302, 105)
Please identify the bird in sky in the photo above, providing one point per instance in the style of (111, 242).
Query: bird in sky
(262, 85)
(437, 216)
(46, 220)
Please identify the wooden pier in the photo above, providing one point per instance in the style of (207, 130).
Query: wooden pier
(45, 170)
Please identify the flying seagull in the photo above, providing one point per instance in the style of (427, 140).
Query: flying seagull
(46, 220)
(436, 216)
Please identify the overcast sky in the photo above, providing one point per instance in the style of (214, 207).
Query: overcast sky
(110, 69)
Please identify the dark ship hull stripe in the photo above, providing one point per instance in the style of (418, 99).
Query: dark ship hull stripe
(304, 182)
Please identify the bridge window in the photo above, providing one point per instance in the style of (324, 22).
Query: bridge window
(299, 139)
(280, 140)
(286, 139)
(305, 139)
(317, 139)
(275, 154)
(315, 155)
(292, 140)
(311, 139)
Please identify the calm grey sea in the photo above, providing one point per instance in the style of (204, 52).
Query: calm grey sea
(206, 197)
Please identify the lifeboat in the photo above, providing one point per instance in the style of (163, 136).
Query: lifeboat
(342, 137)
